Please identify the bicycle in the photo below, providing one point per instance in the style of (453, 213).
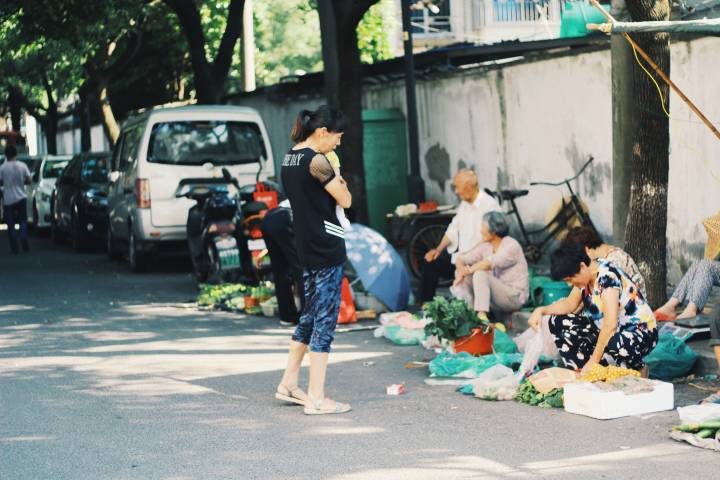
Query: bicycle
(571, 210)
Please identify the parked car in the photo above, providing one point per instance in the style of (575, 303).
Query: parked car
(41, 188)
(159, 148)
(79, 201)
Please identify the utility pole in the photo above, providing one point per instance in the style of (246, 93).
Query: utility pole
(415, 184)
(248, 47)
(623, 121)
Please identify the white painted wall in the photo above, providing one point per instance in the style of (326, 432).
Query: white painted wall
(518, 124)
(540, 120)
(694, 187)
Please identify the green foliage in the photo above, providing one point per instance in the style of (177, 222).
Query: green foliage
(451, 319)
(285, 43)
(36, 65)
(374, 32)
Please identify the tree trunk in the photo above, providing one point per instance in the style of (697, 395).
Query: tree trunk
(84, 112)
(350, 98)
(50, 125)
(110, 125)
(645, 238)
(210, 79)
(329, 37)
(15, 104)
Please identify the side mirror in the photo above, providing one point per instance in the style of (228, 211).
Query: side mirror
(113, 177)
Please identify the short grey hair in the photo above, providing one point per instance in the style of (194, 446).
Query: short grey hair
(496, 223)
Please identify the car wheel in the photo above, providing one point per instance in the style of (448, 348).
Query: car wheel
(137, 259)
(77, 235)
(112, 247)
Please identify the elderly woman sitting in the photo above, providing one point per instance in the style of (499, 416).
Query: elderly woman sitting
(616, 326)
(493, 274)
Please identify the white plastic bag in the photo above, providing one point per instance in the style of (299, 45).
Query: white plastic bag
(496, 383)
(702, 413)
(533, 351)
(535, 344)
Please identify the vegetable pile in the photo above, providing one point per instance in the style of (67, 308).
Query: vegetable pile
(235, 297)
(703, 430)
(451, 319)
(526, 393)
(220, 296)
(599, 373)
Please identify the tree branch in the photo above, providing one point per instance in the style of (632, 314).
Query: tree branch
(189, 17)
(233, 30)
(48, 92)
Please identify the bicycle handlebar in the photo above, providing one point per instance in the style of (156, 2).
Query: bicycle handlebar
(590, 160)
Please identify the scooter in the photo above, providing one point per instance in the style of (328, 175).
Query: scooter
(255, 202)
(213, 227)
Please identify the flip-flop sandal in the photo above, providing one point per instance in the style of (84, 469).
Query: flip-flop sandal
(289, 395)
(316, 410)
(714, 398)
(661, 317)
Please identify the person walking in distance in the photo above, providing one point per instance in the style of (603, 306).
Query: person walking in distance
(314, 189)
(14, 176)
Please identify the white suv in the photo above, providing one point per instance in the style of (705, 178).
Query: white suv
(41, 189)
(159, 148)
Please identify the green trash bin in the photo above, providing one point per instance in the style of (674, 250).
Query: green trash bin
(386, 164)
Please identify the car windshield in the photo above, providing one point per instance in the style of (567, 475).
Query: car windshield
(94, 170)
(53, 168)
(200, 142)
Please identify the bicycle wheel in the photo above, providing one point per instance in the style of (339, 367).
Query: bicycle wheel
(425, 239)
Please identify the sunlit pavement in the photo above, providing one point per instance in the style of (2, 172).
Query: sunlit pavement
(109, 375)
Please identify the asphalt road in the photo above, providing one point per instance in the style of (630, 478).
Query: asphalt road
(105, 374)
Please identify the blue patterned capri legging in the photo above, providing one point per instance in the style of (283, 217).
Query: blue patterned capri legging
(576, 337)
(697, 283)
(316, 327)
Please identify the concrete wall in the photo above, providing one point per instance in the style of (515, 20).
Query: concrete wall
(540, 120)
(694, 187)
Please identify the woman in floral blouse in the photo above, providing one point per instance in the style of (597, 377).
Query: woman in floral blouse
(616, 326)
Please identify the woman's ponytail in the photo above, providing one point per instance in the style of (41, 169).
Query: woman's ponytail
(301, 129)
(324, 117)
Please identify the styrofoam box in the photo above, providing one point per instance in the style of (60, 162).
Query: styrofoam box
(584, 398)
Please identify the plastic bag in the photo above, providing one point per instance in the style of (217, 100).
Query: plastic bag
(402, 319)
(549, 350)
(545, 381)
(400, 335)
(502, 343)
(672, 358)
(702, 413)
(464, 365)
(496, 383)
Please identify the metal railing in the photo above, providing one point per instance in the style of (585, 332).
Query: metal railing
(431, 24)
(498, 12)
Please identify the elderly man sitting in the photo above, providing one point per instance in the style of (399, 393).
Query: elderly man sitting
(462, 234)
(494, 274)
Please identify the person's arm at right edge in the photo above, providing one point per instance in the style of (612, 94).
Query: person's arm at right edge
(338, 189)
(564, 306)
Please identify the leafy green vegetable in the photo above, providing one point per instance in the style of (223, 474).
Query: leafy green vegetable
(451, 319)
(527, 394)
(220, 295)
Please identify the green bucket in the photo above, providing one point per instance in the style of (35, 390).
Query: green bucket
(554, 291)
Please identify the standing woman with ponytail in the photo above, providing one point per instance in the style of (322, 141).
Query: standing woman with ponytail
(313, 188)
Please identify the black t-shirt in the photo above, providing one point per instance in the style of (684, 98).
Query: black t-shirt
(320, 239)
